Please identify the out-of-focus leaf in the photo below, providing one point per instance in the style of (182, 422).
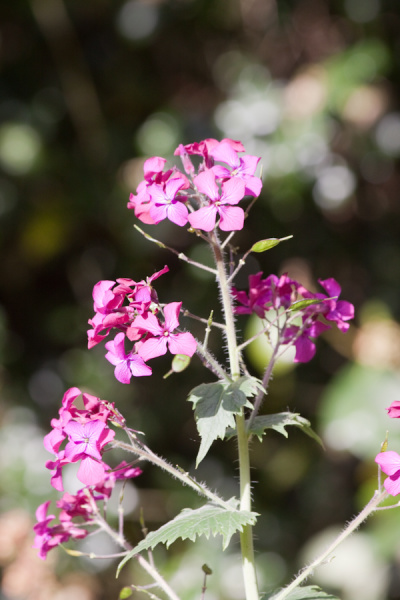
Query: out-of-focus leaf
(310, 592)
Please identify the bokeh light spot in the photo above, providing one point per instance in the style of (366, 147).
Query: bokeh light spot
(387, 134)
(20, 145)
(362, 12)
(158, 135)
(137, 20)
(334, 186)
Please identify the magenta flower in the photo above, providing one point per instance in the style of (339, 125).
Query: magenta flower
(389, 462)
(126, 365)
(104, 299)
(394, 410)
(86, 442)
(85, 438)
(48, 537)
(265, 294)
(141, 204)
(256, 299)
(163, 336)
(243, 167)
(305, 347)
(339, 311)
(231, 217)
(205, 147)
(165, 204)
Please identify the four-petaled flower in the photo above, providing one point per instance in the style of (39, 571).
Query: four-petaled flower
(222, 204)
(126, 365)
(389, 462)
(166, 204)
(163, 336)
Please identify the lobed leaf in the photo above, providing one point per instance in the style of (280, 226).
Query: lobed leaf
(279, 421)
(215, 406)
(208, 520)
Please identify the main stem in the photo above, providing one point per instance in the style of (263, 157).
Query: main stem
(246, 537)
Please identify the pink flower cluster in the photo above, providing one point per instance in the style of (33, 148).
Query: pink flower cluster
(389, 461)
(79, 434)
(86, 433)
(198, 198)
(80, 506)
(282, 292)
(133, 309)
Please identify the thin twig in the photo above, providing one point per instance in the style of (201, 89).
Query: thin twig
(180, 255)
(186, 313)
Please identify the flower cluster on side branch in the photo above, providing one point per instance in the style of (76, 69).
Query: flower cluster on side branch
(285, 295)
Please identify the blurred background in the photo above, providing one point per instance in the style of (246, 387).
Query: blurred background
(88, 90)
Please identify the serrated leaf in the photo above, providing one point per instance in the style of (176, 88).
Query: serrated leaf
(215, 406)
(309, 592)
(296, 306)
(279, 421)
(208, 520)
(267, 244)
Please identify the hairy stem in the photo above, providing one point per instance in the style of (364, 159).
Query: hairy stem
(146, 454)
(246, 537)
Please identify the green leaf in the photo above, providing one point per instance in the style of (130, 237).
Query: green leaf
(310, 592)
(215, 406)
(208, 520)
(263, 245)
(125, 593)
(279, 421)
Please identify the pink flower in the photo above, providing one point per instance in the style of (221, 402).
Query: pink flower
(305, 347)
(86, 432)
(126, 365)
(165, 204)
(86, 443)
(231, 217)
(394, 410)
(257, 298)
(48, 537)
(389, 462)
(163, 336)
(339, 311)
(243, 167)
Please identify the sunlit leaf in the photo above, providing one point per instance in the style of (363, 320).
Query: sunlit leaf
(215, 406)
(208, 520)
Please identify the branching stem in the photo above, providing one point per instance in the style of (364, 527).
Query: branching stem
(246, 537)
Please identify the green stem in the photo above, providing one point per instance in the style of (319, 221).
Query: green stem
(372, 505)
(246, 537)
